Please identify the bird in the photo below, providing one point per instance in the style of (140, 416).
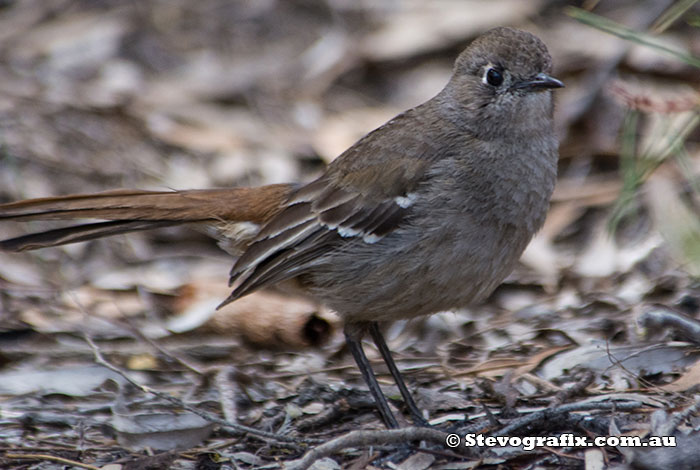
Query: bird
(429, 212)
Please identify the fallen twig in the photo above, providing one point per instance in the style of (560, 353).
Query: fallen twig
(366, 439)
(53, 458)
(550, 414)
(257, 433)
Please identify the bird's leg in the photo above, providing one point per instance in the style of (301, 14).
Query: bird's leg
(353, 336)
(386, 355)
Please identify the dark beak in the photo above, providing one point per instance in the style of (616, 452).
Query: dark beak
(541, 81)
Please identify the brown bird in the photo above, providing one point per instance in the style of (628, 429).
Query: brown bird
(427, 213)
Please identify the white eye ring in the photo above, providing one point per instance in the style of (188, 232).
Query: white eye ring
(493, 77)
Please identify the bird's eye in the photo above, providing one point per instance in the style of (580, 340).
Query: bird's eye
(493, 77)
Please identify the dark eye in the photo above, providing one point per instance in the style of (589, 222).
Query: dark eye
(493, 77)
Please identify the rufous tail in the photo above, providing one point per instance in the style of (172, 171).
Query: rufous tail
(125, 211)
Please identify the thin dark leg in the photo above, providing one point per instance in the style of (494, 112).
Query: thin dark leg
(382, 406)
(386, 355)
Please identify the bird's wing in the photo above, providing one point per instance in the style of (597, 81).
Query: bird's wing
(349, 202)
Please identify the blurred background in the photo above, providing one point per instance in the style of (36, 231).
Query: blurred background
(175, 94)
(161, 94)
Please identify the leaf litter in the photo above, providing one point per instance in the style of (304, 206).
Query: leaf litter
(95, 96)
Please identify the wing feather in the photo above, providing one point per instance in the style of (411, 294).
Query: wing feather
(317, 218)
(356, 199)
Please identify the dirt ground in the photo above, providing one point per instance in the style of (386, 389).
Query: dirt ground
(112, 355)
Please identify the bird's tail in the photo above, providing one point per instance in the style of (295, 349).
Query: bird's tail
(125, 211)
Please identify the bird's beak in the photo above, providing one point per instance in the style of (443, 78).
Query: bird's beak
(541, 81)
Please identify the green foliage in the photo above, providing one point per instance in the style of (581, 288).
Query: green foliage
(663, 140)
(629, 34)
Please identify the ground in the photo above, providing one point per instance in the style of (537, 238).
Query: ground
(110, 356)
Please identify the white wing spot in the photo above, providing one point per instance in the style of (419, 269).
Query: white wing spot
(405, 201)
(371, 238)
(346, 232)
